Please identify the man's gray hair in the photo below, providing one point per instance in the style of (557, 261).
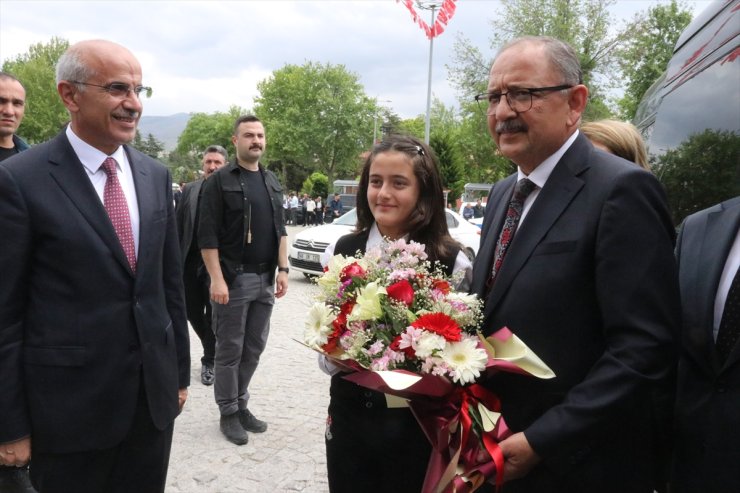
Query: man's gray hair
(71, 67)
(560, 54)
(218, 149)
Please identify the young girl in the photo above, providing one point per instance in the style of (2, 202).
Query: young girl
(373, 442)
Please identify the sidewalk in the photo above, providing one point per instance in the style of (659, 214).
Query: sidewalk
(288, 391)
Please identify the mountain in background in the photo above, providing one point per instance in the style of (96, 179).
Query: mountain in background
(166, 129)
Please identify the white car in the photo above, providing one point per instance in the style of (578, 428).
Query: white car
(308, 245)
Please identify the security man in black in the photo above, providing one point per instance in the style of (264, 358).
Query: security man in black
(242, 236)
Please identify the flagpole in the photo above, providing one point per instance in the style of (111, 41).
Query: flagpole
(433, 6)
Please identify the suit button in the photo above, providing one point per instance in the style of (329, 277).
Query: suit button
(367, 393)
(368, 405)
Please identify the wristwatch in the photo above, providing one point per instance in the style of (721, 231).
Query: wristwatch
(284, 269)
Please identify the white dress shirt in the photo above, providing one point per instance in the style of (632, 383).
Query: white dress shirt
(92, 160)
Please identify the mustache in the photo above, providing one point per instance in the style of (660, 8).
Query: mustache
(124, 113)
(256, 146)
(511, 126)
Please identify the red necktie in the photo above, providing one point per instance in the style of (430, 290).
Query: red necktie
(521, 191)
(729, 326)
(116, 206)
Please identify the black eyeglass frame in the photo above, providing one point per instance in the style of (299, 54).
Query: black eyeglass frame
(120, 89)
(484, 102)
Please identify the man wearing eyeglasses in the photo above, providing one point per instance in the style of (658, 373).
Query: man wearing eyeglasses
(576, 259)
(94, 352)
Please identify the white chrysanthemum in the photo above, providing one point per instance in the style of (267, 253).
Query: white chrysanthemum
(318, 325)
(428, 343)
(465, 359)
(368, 303)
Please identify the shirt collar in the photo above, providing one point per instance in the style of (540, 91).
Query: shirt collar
(542, 172)
(90, 157)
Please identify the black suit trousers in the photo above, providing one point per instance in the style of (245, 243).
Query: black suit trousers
(138, 464)
(198, 305)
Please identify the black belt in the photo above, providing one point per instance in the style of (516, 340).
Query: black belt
(256, 268)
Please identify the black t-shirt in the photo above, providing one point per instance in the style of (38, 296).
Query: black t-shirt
(263, 245)
(5, 153)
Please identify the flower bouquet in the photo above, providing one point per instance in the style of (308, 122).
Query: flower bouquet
(397, 321)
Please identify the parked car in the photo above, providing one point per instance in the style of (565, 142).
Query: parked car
(690, 117)
(308, 245)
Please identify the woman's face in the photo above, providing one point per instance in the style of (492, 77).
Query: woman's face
(392, 192)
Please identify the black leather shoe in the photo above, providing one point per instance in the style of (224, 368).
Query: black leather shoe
(207, 377)
(232, 429)
(15, 480)
(250, 423)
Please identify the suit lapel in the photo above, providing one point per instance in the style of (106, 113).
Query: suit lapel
(559, 190)
(70, 175)
(145, 193)
(721, 229)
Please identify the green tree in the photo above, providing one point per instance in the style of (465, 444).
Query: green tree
(149, 146)
(318, 118)
(645, 54)
(702, 171)
(45, 114)
(204, 129)
(450, 166)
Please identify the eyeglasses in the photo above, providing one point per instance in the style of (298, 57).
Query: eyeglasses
(519, 100)
(119, 89)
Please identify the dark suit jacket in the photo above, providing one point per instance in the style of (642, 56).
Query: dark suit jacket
(589, 284)
(708, 401)
(79, 331)
(186, 211)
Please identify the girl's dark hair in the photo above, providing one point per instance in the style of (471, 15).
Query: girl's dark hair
(428, 222)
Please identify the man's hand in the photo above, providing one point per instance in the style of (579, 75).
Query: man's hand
(182, 396)
(16, 453)
(281, 284)
(519, 456)
(219, 291)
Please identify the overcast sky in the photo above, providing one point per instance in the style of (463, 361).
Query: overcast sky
(203, 56)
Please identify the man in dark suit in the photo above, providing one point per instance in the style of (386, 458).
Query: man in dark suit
(588, 282)
(708, 400)
(94, 352)
(195, 277)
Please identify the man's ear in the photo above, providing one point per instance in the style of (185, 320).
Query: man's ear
(68, 92)
(577, 102)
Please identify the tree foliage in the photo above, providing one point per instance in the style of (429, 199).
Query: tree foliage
(317, 118)
(702, 171)
(316, 185)
(150, 146)
(205, 129)
(450, 166)
(645, 54)
(45, 114)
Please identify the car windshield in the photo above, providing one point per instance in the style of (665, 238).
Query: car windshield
(348, 219)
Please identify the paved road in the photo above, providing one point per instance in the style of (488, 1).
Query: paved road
(288, 391)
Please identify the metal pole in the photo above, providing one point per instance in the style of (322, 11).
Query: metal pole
(427, 122)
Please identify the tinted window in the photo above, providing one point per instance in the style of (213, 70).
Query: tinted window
(694, 144)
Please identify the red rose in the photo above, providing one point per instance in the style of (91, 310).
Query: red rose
(441, 285)
(408, 351)
(401, 291)
(352, 270)
(340, 325)
(441, 324)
